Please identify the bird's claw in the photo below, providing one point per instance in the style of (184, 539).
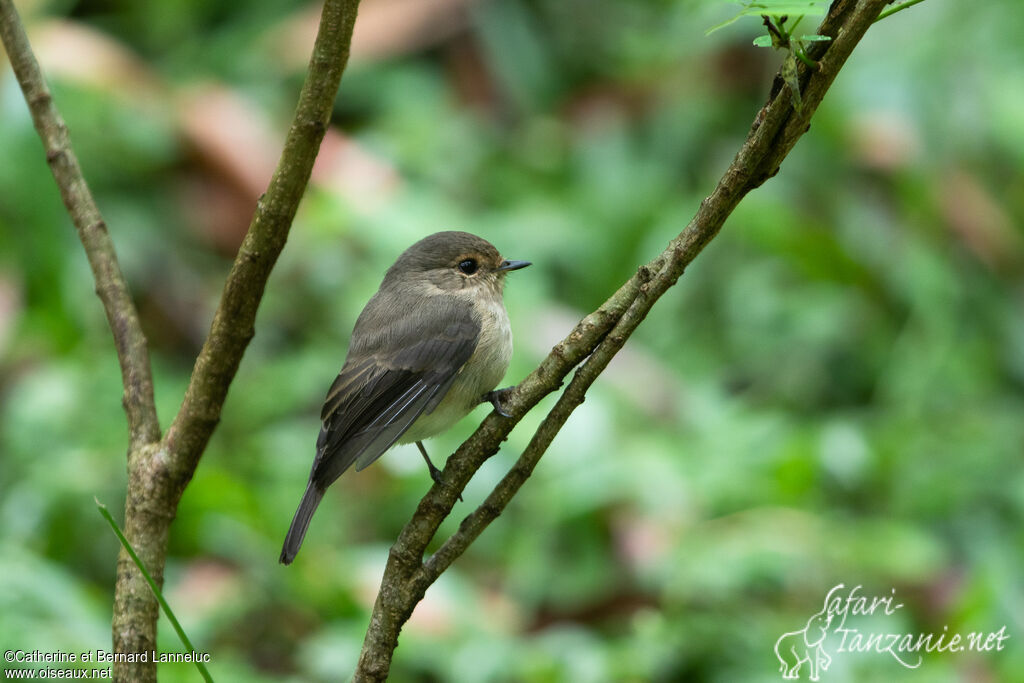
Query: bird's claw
(495, 398)
(435, 473)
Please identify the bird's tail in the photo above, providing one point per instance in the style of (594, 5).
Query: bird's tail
(293, 541)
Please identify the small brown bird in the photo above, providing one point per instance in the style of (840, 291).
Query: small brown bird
(431, 344)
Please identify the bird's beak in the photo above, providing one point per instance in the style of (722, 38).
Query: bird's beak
(512, 265)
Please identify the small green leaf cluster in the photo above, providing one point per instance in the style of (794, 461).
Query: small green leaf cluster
(775, 15)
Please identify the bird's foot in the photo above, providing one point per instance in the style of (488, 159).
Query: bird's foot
(496, 398)
(435, 473)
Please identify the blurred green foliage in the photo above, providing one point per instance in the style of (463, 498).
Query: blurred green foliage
(833, 393)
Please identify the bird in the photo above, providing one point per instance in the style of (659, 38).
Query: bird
(431, 344)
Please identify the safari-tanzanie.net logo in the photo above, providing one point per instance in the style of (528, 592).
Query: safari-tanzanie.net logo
(809, 651)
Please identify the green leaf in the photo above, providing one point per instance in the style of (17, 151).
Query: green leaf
(785, 7)
(775, 8)
(815, 37)
(763, 41)
(898, 8)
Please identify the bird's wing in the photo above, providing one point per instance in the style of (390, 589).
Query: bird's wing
(389, 383)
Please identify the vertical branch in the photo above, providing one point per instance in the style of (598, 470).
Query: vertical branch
(132, 351)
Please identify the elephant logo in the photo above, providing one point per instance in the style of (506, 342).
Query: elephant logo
(806, 646)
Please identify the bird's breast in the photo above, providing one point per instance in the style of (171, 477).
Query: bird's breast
(494, 349)
(480, 374)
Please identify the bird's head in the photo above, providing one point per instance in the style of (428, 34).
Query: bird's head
(453, 261)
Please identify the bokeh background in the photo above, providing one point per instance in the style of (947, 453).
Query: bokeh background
(833, 392)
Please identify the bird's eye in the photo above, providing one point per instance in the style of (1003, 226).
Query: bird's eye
(468, 266)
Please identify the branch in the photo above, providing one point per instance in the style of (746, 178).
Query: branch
(158, 477)
(597, 338)
(123, 319)
(233, 323)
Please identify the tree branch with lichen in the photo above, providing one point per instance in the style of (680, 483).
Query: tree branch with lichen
(594, 342)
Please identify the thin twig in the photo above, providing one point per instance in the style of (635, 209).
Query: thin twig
(600, 336)
(132, 351)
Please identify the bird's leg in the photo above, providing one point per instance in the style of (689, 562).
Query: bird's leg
(435, 473)
(495, 398)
